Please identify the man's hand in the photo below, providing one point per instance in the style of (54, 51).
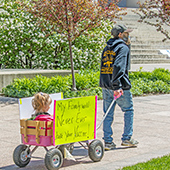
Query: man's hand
(118, 92)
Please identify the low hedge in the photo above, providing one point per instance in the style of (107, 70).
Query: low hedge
(87, 82)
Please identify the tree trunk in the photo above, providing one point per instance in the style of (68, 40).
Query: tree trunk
(72, 66)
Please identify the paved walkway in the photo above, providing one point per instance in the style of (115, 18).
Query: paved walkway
(151, 129)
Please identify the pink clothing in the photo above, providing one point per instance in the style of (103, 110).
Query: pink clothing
(44, 118)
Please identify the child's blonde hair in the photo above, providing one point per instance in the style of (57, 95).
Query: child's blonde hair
(40, 101)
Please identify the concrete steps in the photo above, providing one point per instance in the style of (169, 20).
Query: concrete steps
(144, 51)
(151, 41)
(149, 61)
(145, 41)
(135, 46)
(148, 56)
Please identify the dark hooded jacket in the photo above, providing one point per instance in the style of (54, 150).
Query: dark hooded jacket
(114, 65)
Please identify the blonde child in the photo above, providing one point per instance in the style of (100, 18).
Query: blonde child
(41, 104)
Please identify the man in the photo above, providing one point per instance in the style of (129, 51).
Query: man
(114, 80)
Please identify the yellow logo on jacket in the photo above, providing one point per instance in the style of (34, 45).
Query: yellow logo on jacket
(107, 61)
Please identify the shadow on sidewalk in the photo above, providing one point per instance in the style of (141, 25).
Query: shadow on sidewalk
(40, 165)
(125, 147)
(8, 100)
(122, 147)
(81, 157)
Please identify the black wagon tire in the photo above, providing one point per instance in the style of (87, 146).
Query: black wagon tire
(20, 155)
(53, 159)
(96, 150)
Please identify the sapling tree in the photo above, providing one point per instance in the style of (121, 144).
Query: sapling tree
(156, 13)
(73, 17)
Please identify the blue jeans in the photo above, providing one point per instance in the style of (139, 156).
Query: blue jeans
(126, 104)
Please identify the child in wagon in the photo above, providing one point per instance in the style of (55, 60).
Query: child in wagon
(41, 104)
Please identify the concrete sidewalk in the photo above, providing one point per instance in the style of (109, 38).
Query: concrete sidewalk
(151, 129)
(148, 67)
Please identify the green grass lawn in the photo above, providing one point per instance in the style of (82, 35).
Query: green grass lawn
(162, 163)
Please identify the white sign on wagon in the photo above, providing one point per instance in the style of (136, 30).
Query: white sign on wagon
(26, 109)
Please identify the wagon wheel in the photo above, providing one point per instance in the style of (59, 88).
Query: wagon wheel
(96, 150)
(53, 159)
(20, 155)
(70, 148)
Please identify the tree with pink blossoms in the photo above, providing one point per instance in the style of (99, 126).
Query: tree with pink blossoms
(73, 17)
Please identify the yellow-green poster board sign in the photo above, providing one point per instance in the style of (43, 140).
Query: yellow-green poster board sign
(74, 120)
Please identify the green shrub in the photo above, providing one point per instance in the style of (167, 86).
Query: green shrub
(87, 84)
(161, 74)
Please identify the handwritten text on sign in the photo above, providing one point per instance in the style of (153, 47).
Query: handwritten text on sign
(75, 120)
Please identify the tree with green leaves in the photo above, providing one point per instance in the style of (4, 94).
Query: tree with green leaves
(73, 17)
(156, 13)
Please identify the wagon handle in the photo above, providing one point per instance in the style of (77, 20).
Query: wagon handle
(115, 97)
